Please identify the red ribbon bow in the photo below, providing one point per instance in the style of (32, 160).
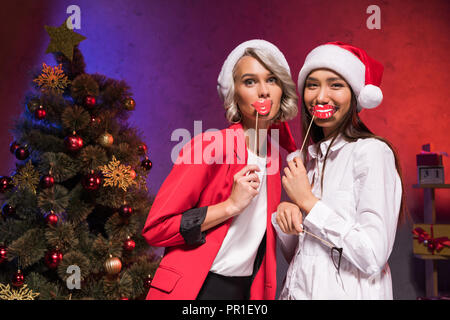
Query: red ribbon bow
(432, 243)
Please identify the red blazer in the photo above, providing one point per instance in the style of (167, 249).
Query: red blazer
(184, 267)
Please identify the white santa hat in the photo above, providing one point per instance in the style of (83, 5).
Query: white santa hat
(361, 72)
(225, 80)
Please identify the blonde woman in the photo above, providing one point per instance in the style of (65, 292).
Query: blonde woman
(213, 217)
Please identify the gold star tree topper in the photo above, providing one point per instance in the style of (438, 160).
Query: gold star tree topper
(63, 39)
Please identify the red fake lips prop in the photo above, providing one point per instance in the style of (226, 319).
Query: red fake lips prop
(262, 106)
(323, 111)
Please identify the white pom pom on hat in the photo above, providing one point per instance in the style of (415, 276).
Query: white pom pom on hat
(370, 96)
(361, 72)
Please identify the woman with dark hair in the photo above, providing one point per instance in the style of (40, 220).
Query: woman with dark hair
(349, 190)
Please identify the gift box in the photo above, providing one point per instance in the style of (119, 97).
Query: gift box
(430, 169)
(431, 239)
(429, 159)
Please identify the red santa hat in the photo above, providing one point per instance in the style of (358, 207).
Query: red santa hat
(361, 72)
(225, 80)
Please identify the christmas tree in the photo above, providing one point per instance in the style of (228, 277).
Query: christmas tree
(74, 208)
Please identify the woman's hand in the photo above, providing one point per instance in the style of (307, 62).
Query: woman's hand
(289, 218)
(296, 184)
(245, 188)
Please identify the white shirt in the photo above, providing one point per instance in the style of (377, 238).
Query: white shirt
(358, 212)
(240, 246)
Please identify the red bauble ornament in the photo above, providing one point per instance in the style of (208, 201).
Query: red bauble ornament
(17, 280)
(91, 181)
(47, 181)
(8, 210)
(3, 253)
(22, 153)
(40, 113)
(5, 184)
(73, 142)
(90, 101)
(142, 149)
(146, 164)
(148, 282)
(53, 258)
(52, 219)
(13, 146)
(129, 244)
(125, 211)
(123, 298)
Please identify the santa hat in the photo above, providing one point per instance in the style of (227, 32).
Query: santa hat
(361, 72)
(226, 74)
(225, 80)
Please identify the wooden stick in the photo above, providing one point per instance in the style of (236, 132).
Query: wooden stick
(324, 241)
(256, 133)
(304, 139)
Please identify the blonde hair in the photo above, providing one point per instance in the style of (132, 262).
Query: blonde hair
(289, 99)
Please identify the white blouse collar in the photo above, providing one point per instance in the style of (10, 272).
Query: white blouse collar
(337, 144)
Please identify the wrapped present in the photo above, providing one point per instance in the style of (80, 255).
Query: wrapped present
(431, 239)
(430, 169)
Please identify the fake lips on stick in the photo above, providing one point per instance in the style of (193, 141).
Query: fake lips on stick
(323, 111)
(262, 106)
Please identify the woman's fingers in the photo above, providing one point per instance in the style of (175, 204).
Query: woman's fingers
(292, 165)
(299, 163)
(297, 221)
(254, 185)
(250, 177)
(290, 219)
(282, 222)
(244, 170)
(287, 172)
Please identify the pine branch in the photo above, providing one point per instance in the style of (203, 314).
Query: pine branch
(75, 118)
(62, 236)
(82, 86)
(56, 199)
(29, 248)
(63, 167)
(92, 157)
(74, 258)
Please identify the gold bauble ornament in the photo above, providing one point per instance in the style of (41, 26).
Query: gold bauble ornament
(106, 140)
(113, 265)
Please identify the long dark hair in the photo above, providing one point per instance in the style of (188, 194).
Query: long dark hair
(352, 128)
